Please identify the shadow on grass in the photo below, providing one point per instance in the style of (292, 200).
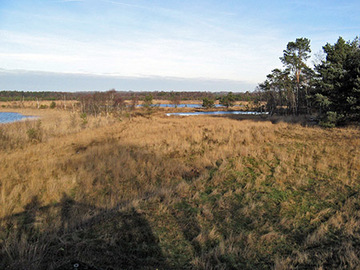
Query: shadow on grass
(55, 236)
(274, 119)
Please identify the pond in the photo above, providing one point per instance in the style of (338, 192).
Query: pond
(216, 113)
(185, 105)
(8, 117)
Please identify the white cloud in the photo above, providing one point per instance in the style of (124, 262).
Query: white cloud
(150, 56)
(38, 80)
(189, 39)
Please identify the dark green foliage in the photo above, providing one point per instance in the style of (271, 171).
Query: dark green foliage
(29, 95)
(148, 101)
(84, 121)
(332, 90)
(148, 104)
(228, 100)
(287, 90)
(294, 58)
(125, 95)
(340, 79)
(208, 103)
(278, 91)
(52, 105)
(330, 119)
(295, 55)
(321, 102)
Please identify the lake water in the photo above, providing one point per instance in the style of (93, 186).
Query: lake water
(184, 105)
(216, 113)
(8, 117)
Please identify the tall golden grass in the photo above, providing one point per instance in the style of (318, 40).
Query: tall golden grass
(210, 192)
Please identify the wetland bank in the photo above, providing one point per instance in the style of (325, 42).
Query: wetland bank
(147, 192)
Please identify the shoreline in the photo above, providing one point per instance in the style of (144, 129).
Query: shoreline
(24, 117)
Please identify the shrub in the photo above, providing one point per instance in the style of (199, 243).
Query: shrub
(148, 104)
(83, 117)
(228, 100)
(208, 103)
(52, 105)
(35, 134)
(330, 120)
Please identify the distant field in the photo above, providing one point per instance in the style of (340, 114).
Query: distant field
(60, 104)
(161, 192)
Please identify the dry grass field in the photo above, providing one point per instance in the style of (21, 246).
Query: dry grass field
(177, 193)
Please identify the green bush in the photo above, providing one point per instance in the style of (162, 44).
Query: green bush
(52, 105)
(148, 103)
(330, 120)
(35, 134)
(83, 117)
(208, 103)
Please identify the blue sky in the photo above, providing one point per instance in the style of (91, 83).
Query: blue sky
(211, 45)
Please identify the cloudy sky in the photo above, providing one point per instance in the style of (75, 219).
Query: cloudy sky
(77, 45)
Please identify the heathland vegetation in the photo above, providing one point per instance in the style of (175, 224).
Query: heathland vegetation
(155, 192)
(98, 179)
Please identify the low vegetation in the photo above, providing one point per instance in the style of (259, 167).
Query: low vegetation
(177, 193)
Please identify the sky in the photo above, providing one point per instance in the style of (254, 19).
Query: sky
(164, 45)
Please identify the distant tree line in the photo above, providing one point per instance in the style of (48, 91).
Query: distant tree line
(330, 90)
(176, 97)
(32, 95)
(189, 95)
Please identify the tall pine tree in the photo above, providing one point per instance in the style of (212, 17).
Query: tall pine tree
(339, 82)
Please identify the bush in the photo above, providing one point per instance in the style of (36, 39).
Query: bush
(208, 103)
(35, 134)
(52, 105)
(330, 120)
(228, 100)
(148, 104)
(83, 117)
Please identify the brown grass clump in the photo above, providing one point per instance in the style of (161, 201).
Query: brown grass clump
(172, 192)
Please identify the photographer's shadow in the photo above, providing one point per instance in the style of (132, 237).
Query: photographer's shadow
(98, 238)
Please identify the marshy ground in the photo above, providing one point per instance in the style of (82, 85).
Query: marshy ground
(177, 193)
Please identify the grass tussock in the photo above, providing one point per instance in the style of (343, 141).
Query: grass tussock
(171, 193)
